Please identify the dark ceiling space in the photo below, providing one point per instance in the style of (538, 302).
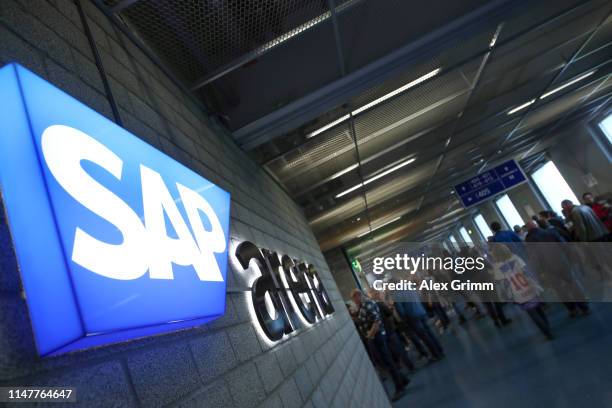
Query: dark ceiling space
(367, 112)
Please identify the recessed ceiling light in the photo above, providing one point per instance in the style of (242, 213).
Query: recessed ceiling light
(376, 177)
(565, 85)
(375, 102)
(521, 107)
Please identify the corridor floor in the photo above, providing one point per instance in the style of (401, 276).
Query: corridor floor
(516, 367)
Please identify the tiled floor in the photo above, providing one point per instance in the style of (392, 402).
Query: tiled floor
(516, 367)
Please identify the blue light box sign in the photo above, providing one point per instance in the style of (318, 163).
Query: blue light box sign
(490, 183)
(114, 239)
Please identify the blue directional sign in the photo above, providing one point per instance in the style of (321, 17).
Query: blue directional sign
(490, 183)
(114, 239)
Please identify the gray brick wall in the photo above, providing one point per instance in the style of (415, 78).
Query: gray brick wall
(341, 272)
(224, 363)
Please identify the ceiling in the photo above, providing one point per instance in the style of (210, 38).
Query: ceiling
(367, 112)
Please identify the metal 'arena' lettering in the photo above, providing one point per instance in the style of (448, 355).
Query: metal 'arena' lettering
(283, 279)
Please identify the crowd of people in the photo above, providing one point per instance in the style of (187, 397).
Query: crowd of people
(520, 262)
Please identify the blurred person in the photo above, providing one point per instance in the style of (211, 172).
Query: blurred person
(409, 306)
(602, 211)
(405, 329)
(432, 300)
(501, 235)
(520, 231)
(587, 227)
(473, 299)
(451, 298)
(553, 264)
(493, 305)
(369, 322)
(515, 243)
(374, 357)
(550, 219)
(454, 298)
(396, 347)
(510, 270)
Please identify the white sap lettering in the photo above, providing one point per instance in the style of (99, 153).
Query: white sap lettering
(145, 246)
(64, 148)
(164, 251)
(209, 242)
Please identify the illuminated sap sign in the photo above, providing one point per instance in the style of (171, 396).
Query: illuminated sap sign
(285, 289)
(115, 240)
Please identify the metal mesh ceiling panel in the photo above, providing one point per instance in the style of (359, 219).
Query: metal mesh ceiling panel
(199, 36)
(380, 127)
(323, 147)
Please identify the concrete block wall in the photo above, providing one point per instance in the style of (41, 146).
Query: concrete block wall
(341, 272)
(224, 363)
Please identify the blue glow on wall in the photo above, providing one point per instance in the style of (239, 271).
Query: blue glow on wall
(114, 239)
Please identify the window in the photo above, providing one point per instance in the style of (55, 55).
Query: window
(606, 127)
(466, 236)
(553, 186)
(508, 210)
(453, 241)
(483, 227)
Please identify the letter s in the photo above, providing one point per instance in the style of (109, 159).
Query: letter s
(64, 148)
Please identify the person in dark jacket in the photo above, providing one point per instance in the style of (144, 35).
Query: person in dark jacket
(549, 259)
(369, 322)
(395, 344)
(500, 235)
(550, 219)
(409, 306)
(511, 238)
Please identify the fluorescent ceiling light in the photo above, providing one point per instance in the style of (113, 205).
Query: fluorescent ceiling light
(397, 91)
(328, 126)
(493, 40)
(565, 85)
(376, 177)
(520, 107)
(496, 35)
(375, 102)
(343, 172)
(380, 226)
